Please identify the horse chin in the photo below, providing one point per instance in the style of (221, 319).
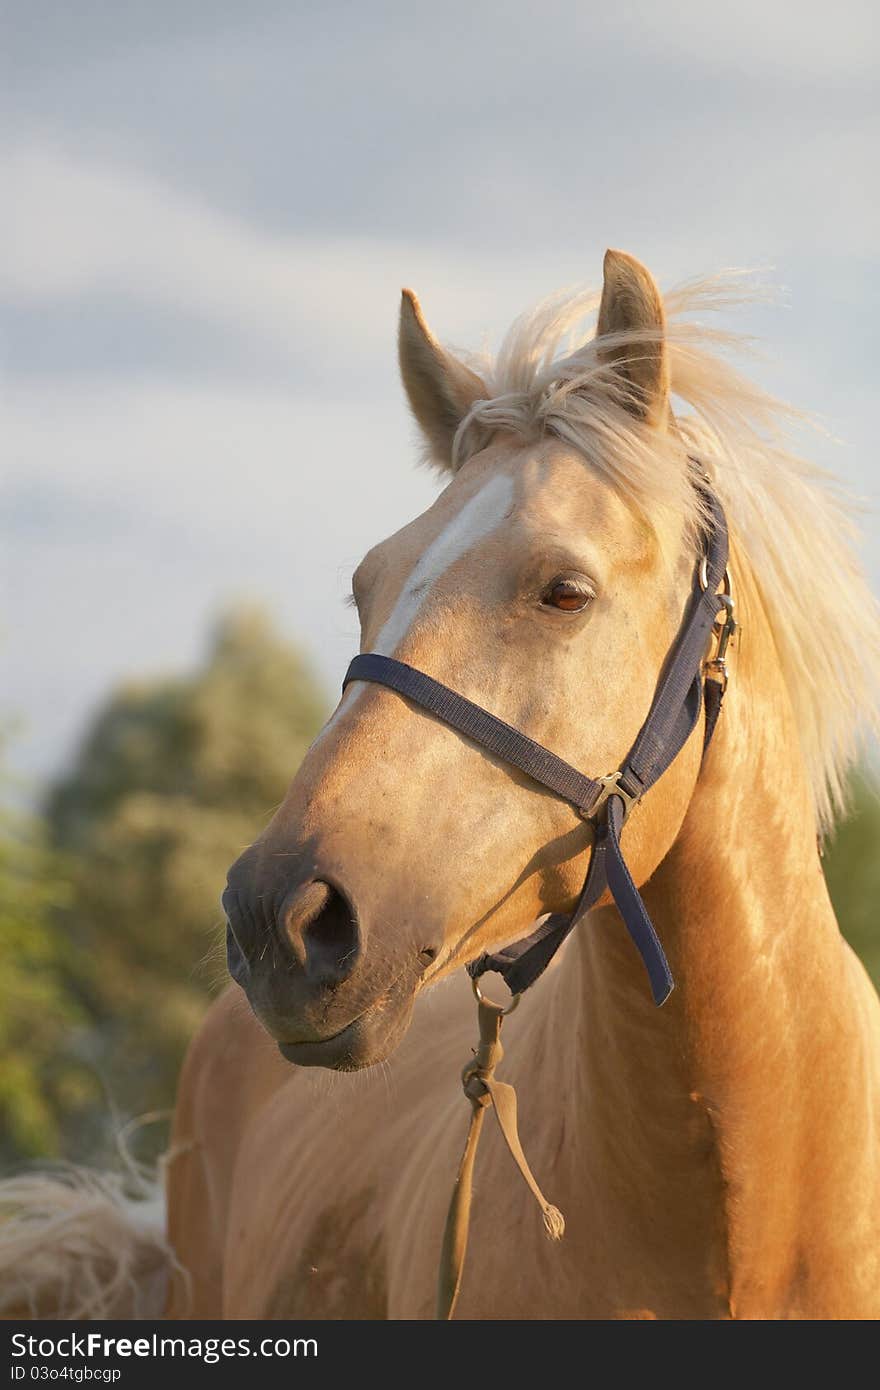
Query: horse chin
(367, 1040)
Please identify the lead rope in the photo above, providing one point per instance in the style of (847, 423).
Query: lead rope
(484, 1092)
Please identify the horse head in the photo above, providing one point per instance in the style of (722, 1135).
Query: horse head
(539, 587)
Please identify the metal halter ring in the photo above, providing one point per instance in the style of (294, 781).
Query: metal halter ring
(726, 586)
(475, 986)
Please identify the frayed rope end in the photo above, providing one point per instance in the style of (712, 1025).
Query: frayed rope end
(554, 1222)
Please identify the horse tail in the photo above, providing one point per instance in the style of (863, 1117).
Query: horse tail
(82, 1245)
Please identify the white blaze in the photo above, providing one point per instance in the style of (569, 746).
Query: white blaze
(476, 520)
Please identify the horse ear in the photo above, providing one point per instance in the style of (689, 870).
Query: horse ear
(632, 304)
(441, 390)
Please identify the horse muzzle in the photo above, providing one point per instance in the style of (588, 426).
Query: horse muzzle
(309, 978)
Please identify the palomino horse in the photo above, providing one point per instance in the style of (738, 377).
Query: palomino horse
(716, 1158)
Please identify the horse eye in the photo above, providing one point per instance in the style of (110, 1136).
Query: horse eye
(568, 595)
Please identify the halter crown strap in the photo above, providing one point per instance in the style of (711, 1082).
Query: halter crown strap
(675, 711)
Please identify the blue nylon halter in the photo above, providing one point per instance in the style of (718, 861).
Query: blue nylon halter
(681, 693)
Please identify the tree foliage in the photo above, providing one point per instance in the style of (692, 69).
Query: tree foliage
(173, 780)
(41, 1079)
(852, 871)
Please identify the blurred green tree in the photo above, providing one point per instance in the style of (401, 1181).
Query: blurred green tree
(852, 871)
(42, 1080)
(173, 780)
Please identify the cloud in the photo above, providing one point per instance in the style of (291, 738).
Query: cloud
(485, 128)
(127, 263)
(83, 228)
(133, 511)
(791, 40)
(87, 234)
(212, 211)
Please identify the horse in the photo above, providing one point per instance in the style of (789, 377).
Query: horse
(718, 1157)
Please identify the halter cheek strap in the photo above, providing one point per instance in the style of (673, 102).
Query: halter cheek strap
(683, 690)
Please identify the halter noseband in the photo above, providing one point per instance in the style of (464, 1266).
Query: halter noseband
(686, 682)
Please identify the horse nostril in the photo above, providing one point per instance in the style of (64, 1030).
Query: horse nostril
(241, 930)
(427, 954)
(236, 963)
(322, 931)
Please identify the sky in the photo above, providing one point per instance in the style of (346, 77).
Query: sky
(211, 209)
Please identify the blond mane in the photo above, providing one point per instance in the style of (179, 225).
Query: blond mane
(791, 521)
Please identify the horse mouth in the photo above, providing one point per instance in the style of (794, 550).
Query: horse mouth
(366, 1040)
(325, 1052)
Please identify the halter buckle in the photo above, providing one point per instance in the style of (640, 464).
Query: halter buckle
(610, 785)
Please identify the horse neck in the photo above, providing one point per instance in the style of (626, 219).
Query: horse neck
(684, 1111)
